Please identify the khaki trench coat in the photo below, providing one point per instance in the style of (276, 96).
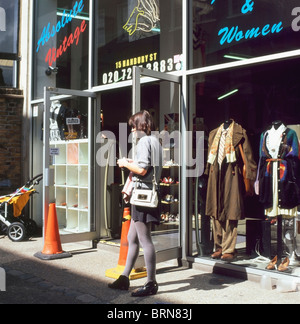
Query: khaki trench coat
(226, 190)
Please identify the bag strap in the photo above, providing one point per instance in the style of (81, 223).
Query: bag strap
(155, 184)
(154, 171)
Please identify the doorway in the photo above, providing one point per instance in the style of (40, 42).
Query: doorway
(162, 98)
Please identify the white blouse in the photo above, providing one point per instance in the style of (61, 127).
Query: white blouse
(273, 142)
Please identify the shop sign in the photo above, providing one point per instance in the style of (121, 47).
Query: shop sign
(9, 10)
(150, 61)
(235, 33)
(73, 121)
(141, 23)
(51, 31)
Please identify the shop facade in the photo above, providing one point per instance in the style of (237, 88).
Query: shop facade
(193, 65)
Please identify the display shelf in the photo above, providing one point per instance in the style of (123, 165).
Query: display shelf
(169, 195)
(71, 180)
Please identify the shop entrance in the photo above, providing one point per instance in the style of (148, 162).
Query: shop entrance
(68, 162)
(166, 113)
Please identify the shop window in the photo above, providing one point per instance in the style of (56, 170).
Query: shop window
(61, 45)
(137, 33)
(254, 98)
(8, 73)
(226, 31)
(9, 33)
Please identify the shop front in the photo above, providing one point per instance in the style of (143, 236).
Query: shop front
(193, 65)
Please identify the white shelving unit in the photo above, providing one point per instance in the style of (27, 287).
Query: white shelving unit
(71, 185)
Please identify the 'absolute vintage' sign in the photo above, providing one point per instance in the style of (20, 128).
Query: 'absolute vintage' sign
(50, 32)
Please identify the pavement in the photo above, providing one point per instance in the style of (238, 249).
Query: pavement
(81, 280)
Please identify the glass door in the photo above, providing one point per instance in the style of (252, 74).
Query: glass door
(162, 98)
(69, 163)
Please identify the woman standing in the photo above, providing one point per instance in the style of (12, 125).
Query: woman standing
(148, 150)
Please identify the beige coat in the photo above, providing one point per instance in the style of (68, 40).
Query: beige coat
(226, 190)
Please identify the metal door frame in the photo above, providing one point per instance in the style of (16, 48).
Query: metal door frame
(48, 179)
(138, 73)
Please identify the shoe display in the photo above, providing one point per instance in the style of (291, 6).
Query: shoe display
(122, 283)
(150, 289)
(272, 264)
(284, 266)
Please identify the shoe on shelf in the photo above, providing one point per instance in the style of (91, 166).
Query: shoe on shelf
(122, 283)
(150, 289)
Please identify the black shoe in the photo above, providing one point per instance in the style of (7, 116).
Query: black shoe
(121, 284)
(150, 289)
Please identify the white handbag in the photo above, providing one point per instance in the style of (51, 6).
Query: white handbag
(145, 197)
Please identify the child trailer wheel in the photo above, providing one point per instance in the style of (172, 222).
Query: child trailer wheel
(16, 232)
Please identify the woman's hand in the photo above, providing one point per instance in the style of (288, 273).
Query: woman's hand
(128, 164)
(123, 163)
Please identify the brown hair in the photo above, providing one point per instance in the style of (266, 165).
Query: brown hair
(142, 121)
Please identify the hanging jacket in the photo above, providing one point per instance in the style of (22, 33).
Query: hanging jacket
(288, 172)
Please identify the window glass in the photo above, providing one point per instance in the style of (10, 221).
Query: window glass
(61, 45)
(254, 98)
(7, 73)
(9, 26)
(9, 31)
(137, 32)
(232, 30)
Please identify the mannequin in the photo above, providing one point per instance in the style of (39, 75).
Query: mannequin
(225, 193)
(227, 123)
(278, 189)
(277, 123)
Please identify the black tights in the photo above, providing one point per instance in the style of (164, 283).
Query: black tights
(140, 232)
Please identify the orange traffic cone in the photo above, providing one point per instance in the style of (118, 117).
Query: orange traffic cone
(116, 272)
(52, 246)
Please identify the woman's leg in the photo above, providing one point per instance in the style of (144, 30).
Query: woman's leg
(144, 235)
(133, 251)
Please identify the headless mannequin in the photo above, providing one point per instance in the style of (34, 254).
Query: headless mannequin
(227, 123)
(277, 124)
(285, 233)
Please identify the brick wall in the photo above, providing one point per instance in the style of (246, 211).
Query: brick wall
(11, 110)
